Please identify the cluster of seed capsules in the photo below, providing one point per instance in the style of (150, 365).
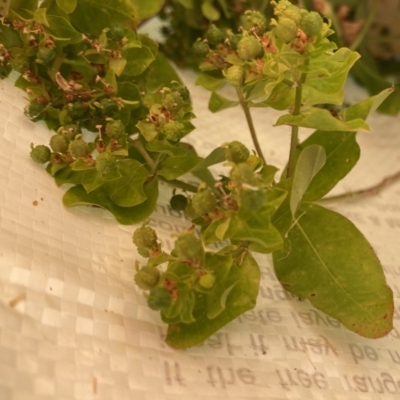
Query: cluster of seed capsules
(240, 56)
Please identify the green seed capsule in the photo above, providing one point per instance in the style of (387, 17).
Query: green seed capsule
(173, 130)
(248, 48)
(78, 148)
(235, 75)
(237, 152)
(116, 32)
(257, 21)
(159, 298)
(188, 247)
(115, 129)
(77, 110)
(173, 102)
(286, 30)
(214, 35)
(145, 237)
(178, 202)
(201, 49)
(40, 154)
(311, 23)
(147, 277)
(203, 201)
(181, 89)
(35, 111)
(109, 107)
(59, 143)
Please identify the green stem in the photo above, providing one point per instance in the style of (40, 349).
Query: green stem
(250, 124)
(295, 130)
(142, 150)
(366, 26)
(179, 184)
(373, 190)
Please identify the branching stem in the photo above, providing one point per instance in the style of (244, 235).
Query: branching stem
(373, 190)
(142, 150)
(250, 123)
(295, 131)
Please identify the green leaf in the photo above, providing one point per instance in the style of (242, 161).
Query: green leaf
(40, 17)
(147, 129)
(309, 163)
(106, 12)
(218, 299)
(147, 9)
(77, 196)
(118, 65)
(66, 175)
(212, 81)
(60, 28)
(91, 180)
(242, 298)
(174, 167)
(327, 260)
(219, 103)
(215, 157)
(365, 107)
(130, 95)
(161, 74)
(342, 154)
(138, 60)
(67, 6)
(128, 191)
(209, 11)
(164, 146)
(23, 8)
(318, 118)
(326, 76)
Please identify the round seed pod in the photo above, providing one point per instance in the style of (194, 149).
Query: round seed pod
(214, 35)
(147, 277)
(159, 298)
(178, 202)
(248, 48)
(144, 237)
(59, 143)
(115, 129)
(201, 49)
(116, 32)
(237, 152)
(78, 148)
(311, 23)
(235, 75)
(173, 130)
(257, 21)
(109, 107)
(286, 30)
(40, 154)
(173, 102)
(35, 111)
(203, 201)
(77, 110)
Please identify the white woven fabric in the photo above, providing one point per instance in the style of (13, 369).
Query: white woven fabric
(74, 326)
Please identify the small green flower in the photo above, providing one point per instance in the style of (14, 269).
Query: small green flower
(145, 237)
(214, 35)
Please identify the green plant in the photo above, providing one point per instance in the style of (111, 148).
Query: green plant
(107, 79)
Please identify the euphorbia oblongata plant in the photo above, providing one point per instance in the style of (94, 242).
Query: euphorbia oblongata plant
(119, 115)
